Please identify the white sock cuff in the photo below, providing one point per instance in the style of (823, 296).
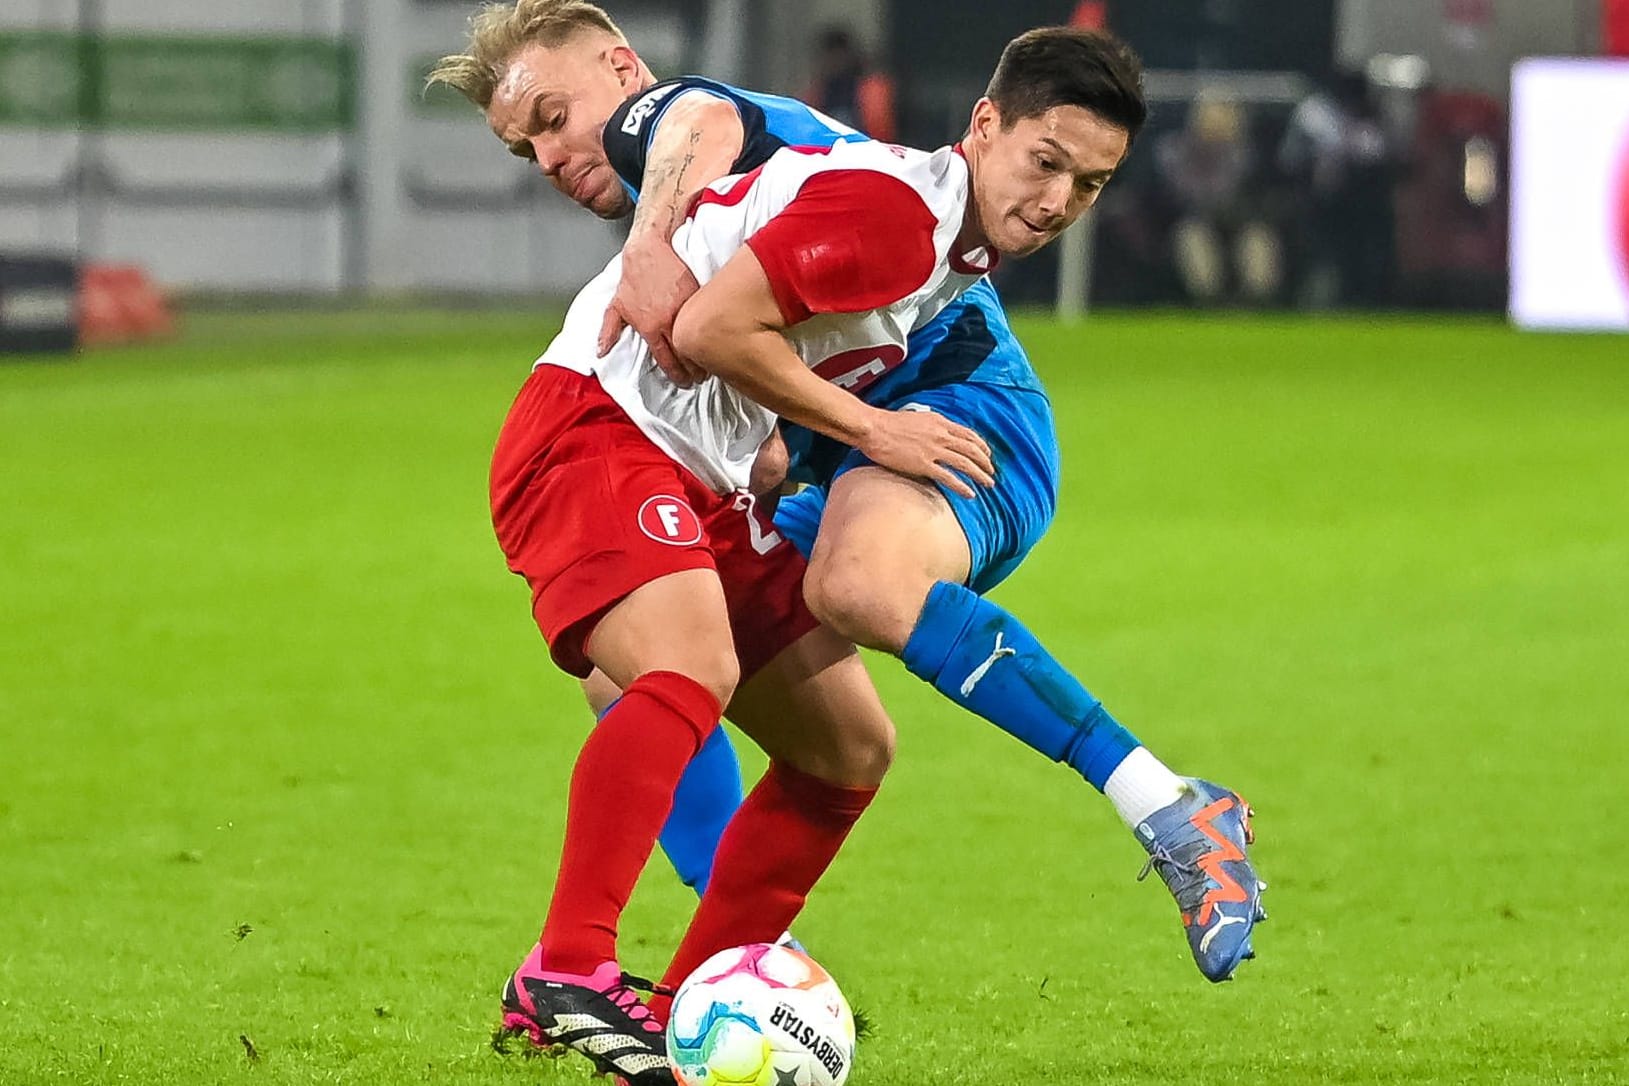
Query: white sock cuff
(1141, 785)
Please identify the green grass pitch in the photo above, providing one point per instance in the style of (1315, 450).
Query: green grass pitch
(282, 757)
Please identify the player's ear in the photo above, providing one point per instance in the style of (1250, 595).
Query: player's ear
(986, 119)
(625, 62)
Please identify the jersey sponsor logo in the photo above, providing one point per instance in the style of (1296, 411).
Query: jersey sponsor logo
(858, 369)
(670, 520)
(640, 111)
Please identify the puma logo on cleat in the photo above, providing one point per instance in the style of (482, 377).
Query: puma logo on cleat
(983, 669)
(1222, 921)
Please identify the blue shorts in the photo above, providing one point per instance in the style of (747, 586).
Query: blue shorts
(1002, 523)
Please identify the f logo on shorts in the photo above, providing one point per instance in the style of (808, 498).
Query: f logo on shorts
(670, 520)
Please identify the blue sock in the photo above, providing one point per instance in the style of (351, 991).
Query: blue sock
(708, 794)
(982, 658)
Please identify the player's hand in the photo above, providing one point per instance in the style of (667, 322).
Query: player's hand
(654, 285)
(929, 446)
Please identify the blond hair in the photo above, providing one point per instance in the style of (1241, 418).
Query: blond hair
(498, 31)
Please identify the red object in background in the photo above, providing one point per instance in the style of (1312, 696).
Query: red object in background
(1091, 15)
(1472, 13)
(1622, 210)
(873, 105)
(1440, 233)
(118, 303)
(1615, 28)
(876, 102)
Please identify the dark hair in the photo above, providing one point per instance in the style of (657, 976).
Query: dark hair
(1067, 66)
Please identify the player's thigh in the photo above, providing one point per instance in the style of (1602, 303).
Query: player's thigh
(814, 707)
(678, 622)
(610, 533)
(1000, 524)
(1005, 523)
(762, 577)
(884, 541)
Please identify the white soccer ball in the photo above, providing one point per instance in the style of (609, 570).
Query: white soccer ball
(760, 1015)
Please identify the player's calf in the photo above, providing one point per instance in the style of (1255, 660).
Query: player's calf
(813, 708)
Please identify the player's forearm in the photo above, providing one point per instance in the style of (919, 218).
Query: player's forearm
(698, 141)
(761, 365)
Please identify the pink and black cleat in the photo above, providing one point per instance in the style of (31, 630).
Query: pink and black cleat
(599, 1015)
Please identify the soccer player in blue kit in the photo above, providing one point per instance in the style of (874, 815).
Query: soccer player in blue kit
(895, 564)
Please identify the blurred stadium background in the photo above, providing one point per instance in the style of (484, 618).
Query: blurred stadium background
(282, 758)
(1303, 153)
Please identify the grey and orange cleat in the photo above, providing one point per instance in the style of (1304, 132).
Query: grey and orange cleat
(598, 1015)
(1198, 846)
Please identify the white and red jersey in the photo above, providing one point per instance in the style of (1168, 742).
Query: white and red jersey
(859, 244)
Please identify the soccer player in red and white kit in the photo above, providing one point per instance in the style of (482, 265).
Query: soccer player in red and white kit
(619, 496)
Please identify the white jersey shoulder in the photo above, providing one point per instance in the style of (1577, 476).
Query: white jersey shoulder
(711, 429)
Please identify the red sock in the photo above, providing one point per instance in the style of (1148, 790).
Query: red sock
(621, 792)
(775, 849)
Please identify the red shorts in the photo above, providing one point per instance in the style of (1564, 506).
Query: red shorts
(587, 509)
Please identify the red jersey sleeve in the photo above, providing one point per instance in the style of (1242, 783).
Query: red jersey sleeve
(851, 240)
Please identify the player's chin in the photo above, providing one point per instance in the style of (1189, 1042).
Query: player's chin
(611, 204)
(1025, 242)
(1023, 239)
(604, 197)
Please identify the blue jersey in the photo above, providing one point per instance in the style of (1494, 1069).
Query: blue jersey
(768, 123)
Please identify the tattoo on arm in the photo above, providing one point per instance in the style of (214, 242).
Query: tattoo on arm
(676, 192)
(664, 206)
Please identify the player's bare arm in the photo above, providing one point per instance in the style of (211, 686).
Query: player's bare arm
(732, 328)
(697, 140)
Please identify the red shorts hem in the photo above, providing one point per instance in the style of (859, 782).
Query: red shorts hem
(570, 607)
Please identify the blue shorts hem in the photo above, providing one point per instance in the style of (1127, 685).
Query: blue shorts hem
(1001, 523)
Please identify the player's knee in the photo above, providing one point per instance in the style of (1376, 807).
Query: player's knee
(859, 605)
(875, 754)
(859, 759)
(869, 752)
(715, 671)
(720, 673)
